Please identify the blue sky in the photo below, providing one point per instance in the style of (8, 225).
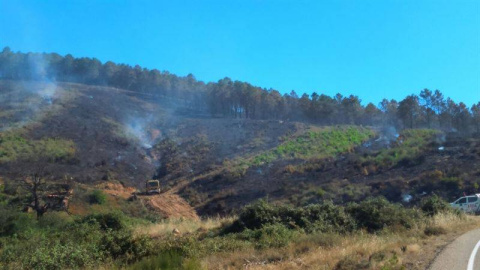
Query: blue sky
(371, 48)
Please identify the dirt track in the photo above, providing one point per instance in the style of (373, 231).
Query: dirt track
(170, 205)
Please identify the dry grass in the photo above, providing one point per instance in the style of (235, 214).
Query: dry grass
(306, 254)
(450, 220)
(410, 249)
(184, 226)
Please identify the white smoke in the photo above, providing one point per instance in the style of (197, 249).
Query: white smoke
(143, 129)
(46, 88)
(388, 135)
(26, 100)
(37, 66)
(406, 198)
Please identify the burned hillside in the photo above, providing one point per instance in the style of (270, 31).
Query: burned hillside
(448, 168)
(102, 134)
(122, 135)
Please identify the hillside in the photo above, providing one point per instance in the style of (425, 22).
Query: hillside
(253, 135)
(220, 164)
(121, 135)
(417, 164)
(100, 144)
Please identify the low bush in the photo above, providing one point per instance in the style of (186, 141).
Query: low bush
(269, 236)
(97, 197)
(434, 230)
(12, 222)
(55, 220)
(377, 213)
(75, 247)
(434, 205)
(107, 221)
(255, 216)
(57, 241)
(325, 217)
(122, 245)
(372, 214)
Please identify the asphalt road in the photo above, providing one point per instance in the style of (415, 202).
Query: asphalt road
(461, 254)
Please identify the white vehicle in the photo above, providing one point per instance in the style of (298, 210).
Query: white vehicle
(468, 204)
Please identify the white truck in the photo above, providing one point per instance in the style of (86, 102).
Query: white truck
(468, 204)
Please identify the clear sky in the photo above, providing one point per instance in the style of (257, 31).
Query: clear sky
(371, 48)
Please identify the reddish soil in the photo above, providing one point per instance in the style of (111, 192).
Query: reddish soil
(117, 190)
(170, 205)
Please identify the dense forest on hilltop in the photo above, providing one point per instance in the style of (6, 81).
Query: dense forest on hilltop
(236, 99)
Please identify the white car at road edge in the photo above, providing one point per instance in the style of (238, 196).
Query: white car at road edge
(468, 204)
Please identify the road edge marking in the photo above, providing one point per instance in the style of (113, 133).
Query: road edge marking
(471, 260)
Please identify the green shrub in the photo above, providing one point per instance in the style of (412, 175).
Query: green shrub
(434, 205)
(55, 220)
(255, 216)
(97, 197)
(124, 246)
(84, 243)
(325, 217)
(107, 221)
(377, 213)
(13, 222)
(269, 236)
(59, 255)
(76, 246)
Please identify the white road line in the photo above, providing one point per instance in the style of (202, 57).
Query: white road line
(472, 256)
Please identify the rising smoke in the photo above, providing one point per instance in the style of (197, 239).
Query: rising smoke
(38, 68)
(29, 100)
(144, 130)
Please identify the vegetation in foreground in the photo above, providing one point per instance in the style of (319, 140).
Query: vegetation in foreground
(373, 234)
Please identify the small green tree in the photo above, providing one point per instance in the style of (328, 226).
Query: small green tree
(433, 205)
(97, 197)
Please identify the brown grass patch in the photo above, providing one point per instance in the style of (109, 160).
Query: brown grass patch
(184, 226)
(411, 249)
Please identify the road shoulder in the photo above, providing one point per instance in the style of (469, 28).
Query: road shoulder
(456, 254)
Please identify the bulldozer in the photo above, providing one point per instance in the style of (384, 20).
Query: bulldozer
(153, 186)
